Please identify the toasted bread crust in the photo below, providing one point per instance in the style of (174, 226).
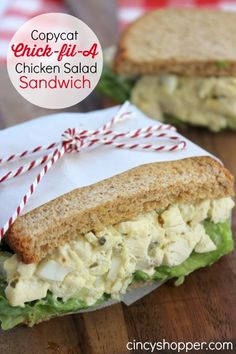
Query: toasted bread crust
(116, 199)
(188, 42)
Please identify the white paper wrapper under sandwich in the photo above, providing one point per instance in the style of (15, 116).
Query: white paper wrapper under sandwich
(77, 169)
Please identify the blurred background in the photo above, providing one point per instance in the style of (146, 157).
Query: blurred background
(106, 17)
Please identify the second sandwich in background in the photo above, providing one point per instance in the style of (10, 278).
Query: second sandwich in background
(178, 65)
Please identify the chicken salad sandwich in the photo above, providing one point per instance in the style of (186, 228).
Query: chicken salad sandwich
(152, 223)
(179, 66)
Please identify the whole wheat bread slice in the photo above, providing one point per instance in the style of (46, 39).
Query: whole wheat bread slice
(187, 42)
(116, 199)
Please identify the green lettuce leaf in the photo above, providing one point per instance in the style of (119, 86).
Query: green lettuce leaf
(114, 86)
(39, 310)
(139, 275)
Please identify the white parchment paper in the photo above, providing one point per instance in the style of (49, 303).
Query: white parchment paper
(77, 169)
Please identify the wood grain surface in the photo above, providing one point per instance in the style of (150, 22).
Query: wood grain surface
(202, 309)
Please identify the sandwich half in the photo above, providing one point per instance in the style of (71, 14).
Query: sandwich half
(178, 65)
(154, 222)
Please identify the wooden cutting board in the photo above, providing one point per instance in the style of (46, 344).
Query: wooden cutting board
(202, 309)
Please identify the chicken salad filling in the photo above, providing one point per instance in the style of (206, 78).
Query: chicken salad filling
(107, 261)
(196, 100)
(202, 101)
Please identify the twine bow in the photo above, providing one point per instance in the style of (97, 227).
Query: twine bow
(75, 141)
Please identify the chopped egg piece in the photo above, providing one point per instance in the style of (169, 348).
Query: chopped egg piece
(51, 270)
(19, 291)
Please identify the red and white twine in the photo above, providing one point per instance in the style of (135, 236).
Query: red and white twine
(75, 141)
